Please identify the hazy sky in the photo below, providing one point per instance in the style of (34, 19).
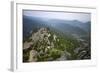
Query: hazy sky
(84, 17)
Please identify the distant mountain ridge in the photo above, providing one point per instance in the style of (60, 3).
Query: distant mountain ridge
(65, 26)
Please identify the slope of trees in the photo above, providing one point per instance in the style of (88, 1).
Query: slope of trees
(50, 46)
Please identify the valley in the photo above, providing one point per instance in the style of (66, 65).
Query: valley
(55, 40)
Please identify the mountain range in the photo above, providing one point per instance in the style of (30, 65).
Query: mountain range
(67, 27)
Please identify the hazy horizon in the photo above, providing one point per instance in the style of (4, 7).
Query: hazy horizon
(83, 17)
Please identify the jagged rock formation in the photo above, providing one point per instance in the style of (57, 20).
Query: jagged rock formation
(45, 45)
